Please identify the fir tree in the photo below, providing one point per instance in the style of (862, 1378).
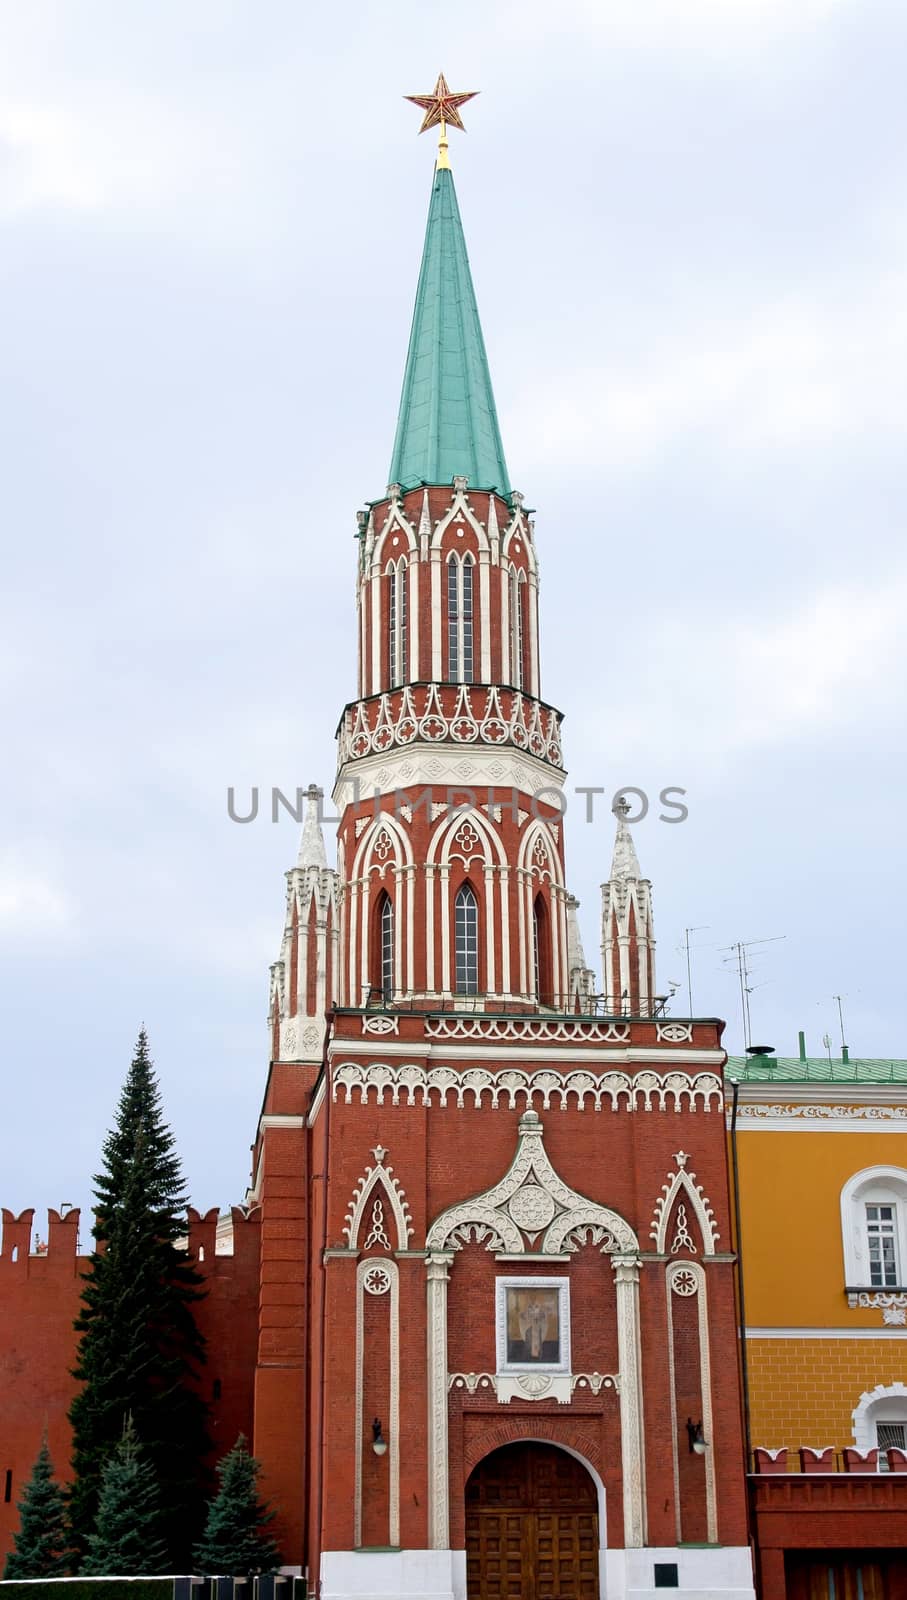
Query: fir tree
(140, 1350)
(41, 1543)
(127, 1533)
(236, 1540)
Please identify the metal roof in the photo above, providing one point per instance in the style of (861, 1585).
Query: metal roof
(815, 1069)
(447, 425)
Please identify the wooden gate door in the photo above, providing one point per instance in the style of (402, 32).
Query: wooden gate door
(531, 1526)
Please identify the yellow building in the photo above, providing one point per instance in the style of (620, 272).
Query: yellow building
(821, 1156)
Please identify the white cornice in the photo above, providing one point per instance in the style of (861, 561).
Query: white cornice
(446, 766)
(826, 1333)
(418, 1052)
(830, 1094)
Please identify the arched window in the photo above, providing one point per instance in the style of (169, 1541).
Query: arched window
(381, 965)
(460, 619)
(874, 1229)
(517, 590)
(880, 1421)
(387, 950)
(466, 941)
(541, 951)
(397, 663)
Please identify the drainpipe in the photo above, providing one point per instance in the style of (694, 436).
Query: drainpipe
(744, 1358)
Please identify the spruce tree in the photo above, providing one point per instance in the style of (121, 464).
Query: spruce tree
(127, 1534)
(140, 1350)
(41, 1542)
(236, 1541)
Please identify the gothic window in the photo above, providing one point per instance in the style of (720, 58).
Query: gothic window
(466, 941)
(541, 951)
(387, 950)
(382, 957)
(874, 1228)
(397, 663)
(460, 619)
(517, 628)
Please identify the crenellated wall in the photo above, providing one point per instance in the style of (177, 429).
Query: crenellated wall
(40, 1286)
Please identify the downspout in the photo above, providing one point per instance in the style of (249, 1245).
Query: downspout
(319, 1498)
(741, 1300)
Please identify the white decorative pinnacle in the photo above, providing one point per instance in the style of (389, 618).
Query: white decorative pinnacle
(624, 862)
(378, 1176)
(311, 845)
(684, 1182)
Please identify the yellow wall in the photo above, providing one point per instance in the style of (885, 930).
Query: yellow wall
(790, 1196)
(803, 1390)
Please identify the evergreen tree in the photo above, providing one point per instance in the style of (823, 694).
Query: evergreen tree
(140, 1350)
(236, 1540)
(41, 1543)
(127, 1533)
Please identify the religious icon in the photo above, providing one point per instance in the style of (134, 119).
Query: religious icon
(533, 1326)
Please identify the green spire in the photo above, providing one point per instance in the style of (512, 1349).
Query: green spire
(447, 426)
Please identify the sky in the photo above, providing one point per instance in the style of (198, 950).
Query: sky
(687, 233)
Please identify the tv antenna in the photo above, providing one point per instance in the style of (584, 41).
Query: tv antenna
(686, 945)
(838, 998)
(740, 956)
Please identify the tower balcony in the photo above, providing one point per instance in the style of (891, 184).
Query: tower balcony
(457, 714)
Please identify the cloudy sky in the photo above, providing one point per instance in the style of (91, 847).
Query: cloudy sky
(687, 232)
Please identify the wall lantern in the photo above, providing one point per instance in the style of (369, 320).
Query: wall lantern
(379, 1443)
(698, 1442)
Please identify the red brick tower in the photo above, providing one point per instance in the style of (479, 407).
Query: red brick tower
(497, 1322)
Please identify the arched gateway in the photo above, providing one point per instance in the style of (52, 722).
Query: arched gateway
(531, 1526)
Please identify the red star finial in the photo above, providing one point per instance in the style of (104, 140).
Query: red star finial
(442, 106)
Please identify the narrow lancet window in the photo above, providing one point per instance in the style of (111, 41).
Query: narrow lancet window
(466, 941)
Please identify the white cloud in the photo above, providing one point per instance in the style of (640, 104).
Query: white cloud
(835, 663)
(798, 374)
(30, 900)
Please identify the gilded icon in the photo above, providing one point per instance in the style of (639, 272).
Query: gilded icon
(533, 1326)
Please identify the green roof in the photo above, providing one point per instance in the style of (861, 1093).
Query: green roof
(816, 1069)
(448, 425)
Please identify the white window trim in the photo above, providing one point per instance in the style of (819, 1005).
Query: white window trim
(562, 1285)
(886, 1403)
(871, 1186)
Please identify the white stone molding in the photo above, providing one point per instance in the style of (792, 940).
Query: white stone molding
(886, 1185)
(438, 1273)
(367, 1282)
(684, 1182)
(674, 1032)
(478, 1382)
(374, 1177)
(581, 1030)
(489, 1216)
(626, 1281)
(412, 1084)
(497, 716)
(811, 1111)
(381, 1024)
(534, 1386)
(892, 1306)
(687, 1278)
(472, 1382)
(886, 1403)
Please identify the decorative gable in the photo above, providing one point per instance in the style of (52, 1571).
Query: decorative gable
(532, 1211)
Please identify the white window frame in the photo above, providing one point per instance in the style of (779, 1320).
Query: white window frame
(461, 610)
(562, 1285)
(887, 1403)
(872, 1186)
(397, 623)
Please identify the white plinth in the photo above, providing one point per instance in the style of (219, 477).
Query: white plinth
(716, 1573)
(389, 1574)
